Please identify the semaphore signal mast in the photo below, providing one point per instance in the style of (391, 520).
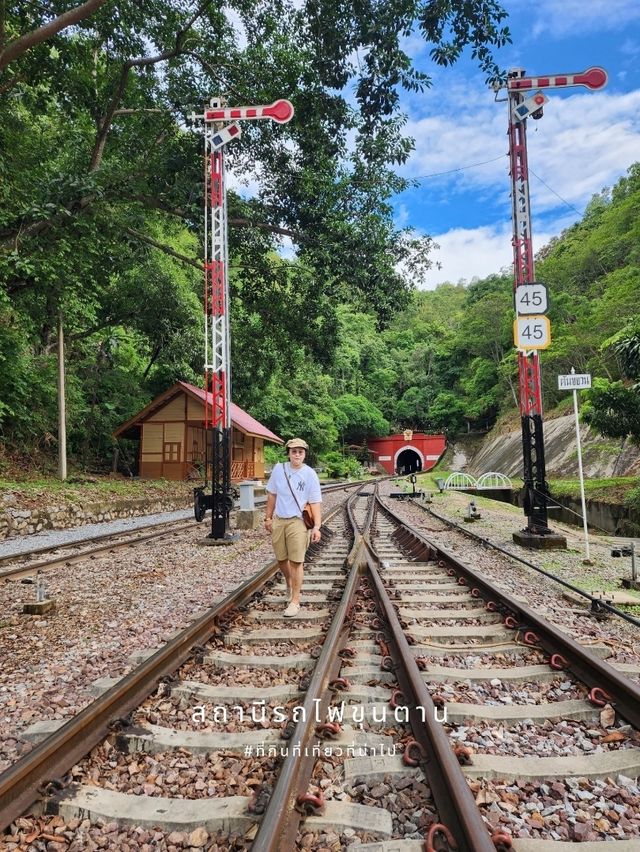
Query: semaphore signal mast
(217, 349)
(532, 330)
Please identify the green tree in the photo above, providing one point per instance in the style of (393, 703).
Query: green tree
(358, 419)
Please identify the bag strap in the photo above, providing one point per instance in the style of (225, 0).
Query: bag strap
(284, 470)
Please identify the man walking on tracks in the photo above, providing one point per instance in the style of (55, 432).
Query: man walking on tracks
(291, 487)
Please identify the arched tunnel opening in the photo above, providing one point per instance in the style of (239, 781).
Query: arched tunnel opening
(408, 462)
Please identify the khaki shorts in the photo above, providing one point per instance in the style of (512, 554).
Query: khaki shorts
(290, 539)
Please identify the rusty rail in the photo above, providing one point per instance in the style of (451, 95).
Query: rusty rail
(22, 783)
(622, 692)
(289, 799)
(453, 797)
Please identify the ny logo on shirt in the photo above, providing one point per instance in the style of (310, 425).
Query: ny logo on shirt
(300, 486)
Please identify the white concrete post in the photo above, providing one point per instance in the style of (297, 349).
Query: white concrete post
(247, 500)
(584, 503)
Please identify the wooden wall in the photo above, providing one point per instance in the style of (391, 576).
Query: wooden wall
(173, 441)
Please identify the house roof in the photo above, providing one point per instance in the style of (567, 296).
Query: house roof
(239, 418)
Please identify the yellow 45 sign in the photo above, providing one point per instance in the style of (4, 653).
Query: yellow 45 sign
(532, 332)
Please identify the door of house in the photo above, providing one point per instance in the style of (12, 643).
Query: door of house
(171, 463)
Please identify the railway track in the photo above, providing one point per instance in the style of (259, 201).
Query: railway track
(369, 719)
(37, 559)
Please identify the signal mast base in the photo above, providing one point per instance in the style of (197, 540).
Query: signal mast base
(229, 538)
(536, 541)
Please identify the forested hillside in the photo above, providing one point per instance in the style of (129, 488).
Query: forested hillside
(447, 358)
(101, 200)
(101, 226)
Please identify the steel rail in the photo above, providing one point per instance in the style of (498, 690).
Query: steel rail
(21, 784)
(70, 559)
(596, 603)
(281, 820)
(176, 527)
(65, 545)
(623, 693)
(452, 794)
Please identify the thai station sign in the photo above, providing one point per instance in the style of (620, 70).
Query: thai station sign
(575, 381)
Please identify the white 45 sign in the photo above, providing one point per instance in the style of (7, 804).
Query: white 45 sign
(532, 332)
(531, 299)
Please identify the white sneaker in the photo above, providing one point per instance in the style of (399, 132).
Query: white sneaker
(292, 610)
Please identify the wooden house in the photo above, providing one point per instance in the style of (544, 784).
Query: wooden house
(173, 438)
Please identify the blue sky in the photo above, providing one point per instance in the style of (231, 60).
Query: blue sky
(585, 141)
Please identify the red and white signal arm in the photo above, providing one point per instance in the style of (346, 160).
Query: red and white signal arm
(532, 332)
(531, 299)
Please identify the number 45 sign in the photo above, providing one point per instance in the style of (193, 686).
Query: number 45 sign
(531, 299)
(531, 330)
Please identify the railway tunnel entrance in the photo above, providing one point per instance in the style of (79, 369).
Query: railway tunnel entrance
(408, 461)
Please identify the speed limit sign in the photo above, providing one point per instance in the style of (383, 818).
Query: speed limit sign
(532, 332)
(531, 299)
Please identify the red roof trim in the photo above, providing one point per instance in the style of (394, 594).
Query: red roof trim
(239, 418)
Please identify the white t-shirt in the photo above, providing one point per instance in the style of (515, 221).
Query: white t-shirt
(304, 483)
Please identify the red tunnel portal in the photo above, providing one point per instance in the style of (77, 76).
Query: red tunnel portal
(411, 452)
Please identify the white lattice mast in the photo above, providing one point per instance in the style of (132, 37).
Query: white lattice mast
(520, 109)
(217, 338)
(217, 365)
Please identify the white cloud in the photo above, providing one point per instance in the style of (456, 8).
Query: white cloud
(584, 142)
(467, 253)
(570, 17)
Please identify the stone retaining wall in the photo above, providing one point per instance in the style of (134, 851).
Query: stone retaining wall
(601, 517)
(16, 522)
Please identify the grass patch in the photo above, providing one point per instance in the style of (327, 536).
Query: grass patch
(81, 489)
(617, 490)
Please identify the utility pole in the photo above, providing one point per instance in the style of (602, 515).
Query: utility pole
(217, 349)
(62, 417)
(532, 330)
